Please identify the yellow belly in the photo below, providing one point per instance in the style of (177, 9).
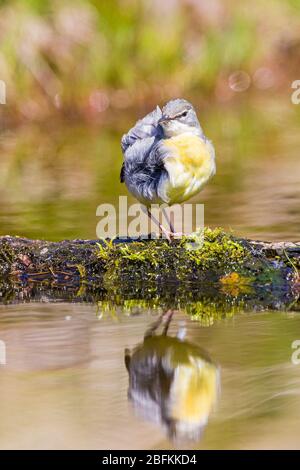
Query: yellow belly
(190, 163)
(194, 392)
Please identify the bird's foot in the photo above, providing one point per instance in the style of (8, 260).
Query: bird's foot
(177, 235)
(171, 235)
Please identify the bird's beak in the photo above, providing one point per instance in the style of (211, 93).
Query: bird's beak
(163, 119)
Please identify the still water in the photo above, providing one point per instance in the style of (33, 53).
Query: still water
(78, 375)
(65, 384)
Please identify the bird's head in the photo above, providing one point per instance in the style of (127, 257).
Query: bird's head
(179, 116)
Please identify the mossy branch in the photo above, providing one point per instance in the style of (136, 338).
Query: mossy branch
(151, 268)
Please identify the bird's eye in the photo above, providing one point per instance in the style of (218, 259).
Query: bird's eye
(184, 114)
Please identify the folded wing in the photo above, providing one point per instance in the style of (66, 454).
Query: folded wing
(146, 127)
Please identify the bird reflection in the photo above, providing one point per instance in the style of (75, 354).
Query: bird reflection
(172, 381)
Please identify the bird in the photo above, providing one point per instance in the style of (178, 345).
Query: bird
(172, 382)
(167, 157)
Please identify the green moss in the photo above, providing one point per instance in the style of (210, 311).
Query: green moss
(206, 313)
(213, 253)
(217, 250)
(154, 273)
(81, 270)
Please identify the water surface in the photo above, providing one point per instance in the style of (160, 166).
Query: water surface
(65, 384)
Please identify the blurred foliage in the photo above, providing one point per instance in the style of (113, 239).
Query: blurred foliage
(86, 57)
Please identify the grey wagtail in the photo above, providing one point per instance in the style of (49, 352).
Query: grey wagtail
(172, 381)
(167, 158)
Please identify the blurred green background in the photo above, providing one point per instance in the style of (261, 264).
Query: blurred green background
(78, 74)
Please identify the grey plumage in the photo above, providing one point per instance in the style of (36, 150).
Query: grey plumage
(173, 107)
(146, 127)
(143, 166)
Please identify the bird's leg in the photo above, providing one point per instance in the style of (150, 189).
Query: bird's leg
(153, 327)
(172, 233)
(151, 217)
(164, 317)
(167, 318)
(170, 222)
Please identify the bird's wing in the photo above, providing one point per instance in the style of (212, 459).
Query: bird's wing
(146, 127)
(136, 154)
